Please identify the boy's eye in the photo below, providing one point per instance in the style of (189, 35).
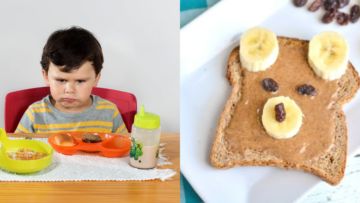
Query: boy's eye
(81, 81)
(61, 80)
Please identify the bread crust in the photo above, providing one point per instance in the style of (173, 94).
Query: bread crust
(330, 166)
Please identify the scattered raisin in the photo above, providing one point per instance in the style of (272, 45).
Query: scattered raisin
(299, 3)
(306, 90)
(315, 5)
(331, 4)
(329, 16)
(332, 11)
(280, 113)
(354, 13)
(342, 18)
(270, 85)
(343, 3)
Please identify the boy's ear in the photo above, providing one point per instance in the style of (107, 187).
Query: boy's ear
(97, 79)
(46, 77)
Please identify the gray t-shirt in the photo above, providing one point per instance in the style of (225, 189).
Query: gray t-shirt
(42, 117)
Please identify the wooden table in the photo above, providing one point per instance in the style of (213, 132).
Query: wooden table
(101, 191)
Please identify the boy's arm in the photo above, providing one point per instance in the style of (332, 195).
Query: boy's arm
(26, 123)
(118, 124)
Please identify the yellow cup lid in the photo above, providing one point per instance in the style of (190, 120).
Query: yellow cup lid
(146, 120)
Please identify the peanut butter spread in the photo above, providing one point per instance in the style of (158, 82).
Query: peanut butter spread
(291, 69)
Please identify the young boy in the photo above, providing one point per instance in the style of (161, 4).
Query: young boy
(71, 64)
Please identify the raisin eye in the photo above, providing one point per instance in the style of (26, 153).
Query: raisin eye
(270, 85)
(306, 89)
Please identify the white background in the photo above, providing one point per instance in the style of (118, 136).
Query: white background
(140, 41)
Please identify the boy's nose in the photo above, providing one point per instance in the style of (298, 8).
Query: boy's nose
(69, 88)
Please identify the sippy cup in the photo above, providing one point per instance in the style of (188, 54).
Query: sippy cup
(145, 138)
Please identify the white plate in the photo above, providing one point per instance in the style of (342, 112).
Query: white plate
(205, 46)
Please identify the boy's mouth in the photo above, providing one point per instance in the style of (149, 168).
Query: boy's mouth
(68, 100)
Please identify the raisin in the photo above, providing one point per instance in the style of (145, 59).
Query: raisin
(299, 3)
(342, 18)
(280, 113)
(329, 16)
(343, 3)
(306, 90)
(270, 85)
(354, 13)
(315, 5)
(331, 4)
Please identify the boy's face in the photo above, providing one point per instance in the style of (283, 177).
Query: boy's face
(71, 91)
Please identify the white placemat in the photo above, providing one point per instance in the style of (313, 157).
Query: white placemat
(85, 166)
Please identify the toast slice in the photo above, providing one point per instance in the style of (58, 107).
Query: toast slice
(320, 147)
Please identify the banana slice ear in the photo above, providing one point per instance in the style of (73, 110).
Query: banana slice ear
(259, 49)
(328, 55)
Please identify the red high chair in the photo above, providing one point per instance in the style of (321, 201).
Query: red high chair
(17, 102)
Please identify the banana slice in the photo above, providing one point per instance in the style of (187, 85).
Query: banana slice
(328, 55)
(259, 49)
(287, 128)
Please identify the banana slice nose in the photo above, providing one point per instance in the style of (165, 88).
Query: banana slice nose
(281, 124)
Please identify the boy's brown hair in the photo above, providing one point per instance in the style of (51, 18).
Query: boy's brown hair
(70, 48)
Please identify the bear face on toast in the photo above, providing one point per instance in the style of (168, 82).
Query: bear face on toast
(318, 146)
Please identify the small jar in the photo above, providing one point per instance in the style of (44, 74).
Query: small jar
(145, 139)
